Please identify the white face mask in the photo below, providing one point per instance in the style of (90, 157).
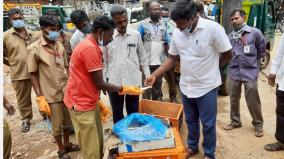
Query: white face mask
(101, 41)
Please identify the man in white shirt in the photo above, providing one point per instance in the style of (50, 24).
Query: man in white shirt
(201, 44)
(125, 55)
(80, 19)
(277, 74)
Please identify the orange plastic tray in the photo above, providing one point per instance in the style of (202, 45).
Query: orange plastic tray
(174, 153)
(168, 110)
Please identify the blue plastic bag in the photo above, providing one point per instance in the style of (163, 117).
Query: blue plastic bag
(139, 127)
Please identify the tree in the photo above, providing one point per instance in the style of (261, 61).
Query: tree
(227, 7)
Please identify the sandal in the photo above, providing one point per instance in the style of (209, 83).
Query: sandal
(71, 148)
(26, 126)
(274, 146)
(62, 154)
(191, 153)
(232, 126)
(258, 133)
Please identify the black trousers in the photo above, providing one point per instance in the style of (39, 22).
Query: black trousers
(117, 103)
(279, 116)
(156, 92)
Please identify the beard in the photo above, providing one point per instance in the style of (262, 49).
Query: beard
(155, 17)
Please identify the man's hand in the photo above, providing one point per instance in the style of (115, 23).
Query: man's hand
(150, 80)
(130, 90)
(271, 79)
(105, 112)
(10, 108)
(43, 105)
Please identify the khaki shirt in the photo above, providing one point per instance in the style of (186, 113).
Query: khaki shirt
(15, 50)
(51, 69)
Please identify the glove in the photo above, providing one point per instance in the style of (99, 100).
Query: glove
(105, 112)
(43, 105)
(130, 90)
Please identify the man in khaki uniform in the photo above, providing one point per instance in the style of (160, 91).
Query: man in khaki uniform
(47, 63)
(15, 41)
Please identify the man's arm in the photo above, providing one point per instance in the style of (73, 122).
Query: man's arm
(225, 58)
(97, 77)
(260, 44)
(35, 83)
(5, 59)
(143, 61)
(276, 62)
(166, 66)
(9, 107)
(141, 31)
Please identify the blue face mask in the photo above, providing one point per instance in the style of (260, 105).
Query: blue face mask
(52, 35)
(166, 19)
(18, 23)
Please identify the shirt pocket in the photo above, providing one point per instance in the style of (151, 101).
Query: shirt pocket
(132, 51)
(250, 58)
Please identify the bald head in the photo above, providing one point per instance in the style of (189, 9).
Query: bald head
(154, 11)
(154, 3)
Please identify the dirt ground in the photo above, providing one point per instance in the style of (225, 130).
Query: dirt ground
(237, 144)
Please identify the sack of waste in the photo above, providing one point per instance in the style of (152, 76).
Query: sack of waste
(140, 127)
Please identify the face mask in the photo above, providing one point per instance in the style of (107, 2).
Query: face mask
(86, 29)
(52, 35)
(18, 24)
(166, 19)
(187, 30)
(155, 17)
(101, 41)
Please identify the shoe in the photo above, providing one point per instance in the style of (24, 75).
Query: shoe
(190, 153)
(277, 146)
(258, 133)
(232, 126)
(26, 125)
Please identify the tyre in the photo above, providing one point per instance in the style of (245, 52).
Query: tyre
(264, 61)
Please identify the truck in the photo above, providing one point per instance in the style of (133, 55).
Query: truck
(32, 12)
(260, 14)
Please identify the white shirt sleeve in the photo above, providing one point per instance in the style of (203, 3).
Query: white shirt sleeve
(220, 39)
(276, 63)
(173, 50)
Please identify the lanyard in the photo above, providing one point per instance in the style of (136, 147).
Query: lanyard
(155, 30)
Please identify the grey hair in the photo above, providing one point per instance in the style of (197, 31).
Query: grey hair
(117, 10)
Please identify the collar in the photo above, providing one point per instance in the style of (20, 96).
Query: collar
(150, 21)
(29, 32)
(201, 24)
(93, 40)
(44, 43)
(116, 33)
(246, 28)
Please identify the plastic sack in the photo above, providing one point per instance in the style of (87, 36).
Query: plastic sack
(139, 127)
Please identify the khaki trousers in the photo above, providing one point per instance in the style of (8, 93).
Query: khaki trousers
(23, 93)
(7, 140)
(89, 132)
(60, 118)
(252, 100)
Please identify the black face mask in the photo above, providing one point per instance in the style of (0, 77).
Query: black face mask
(155, 16)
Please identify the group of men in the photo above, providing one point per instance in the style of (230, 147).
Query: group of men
(69, 73)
